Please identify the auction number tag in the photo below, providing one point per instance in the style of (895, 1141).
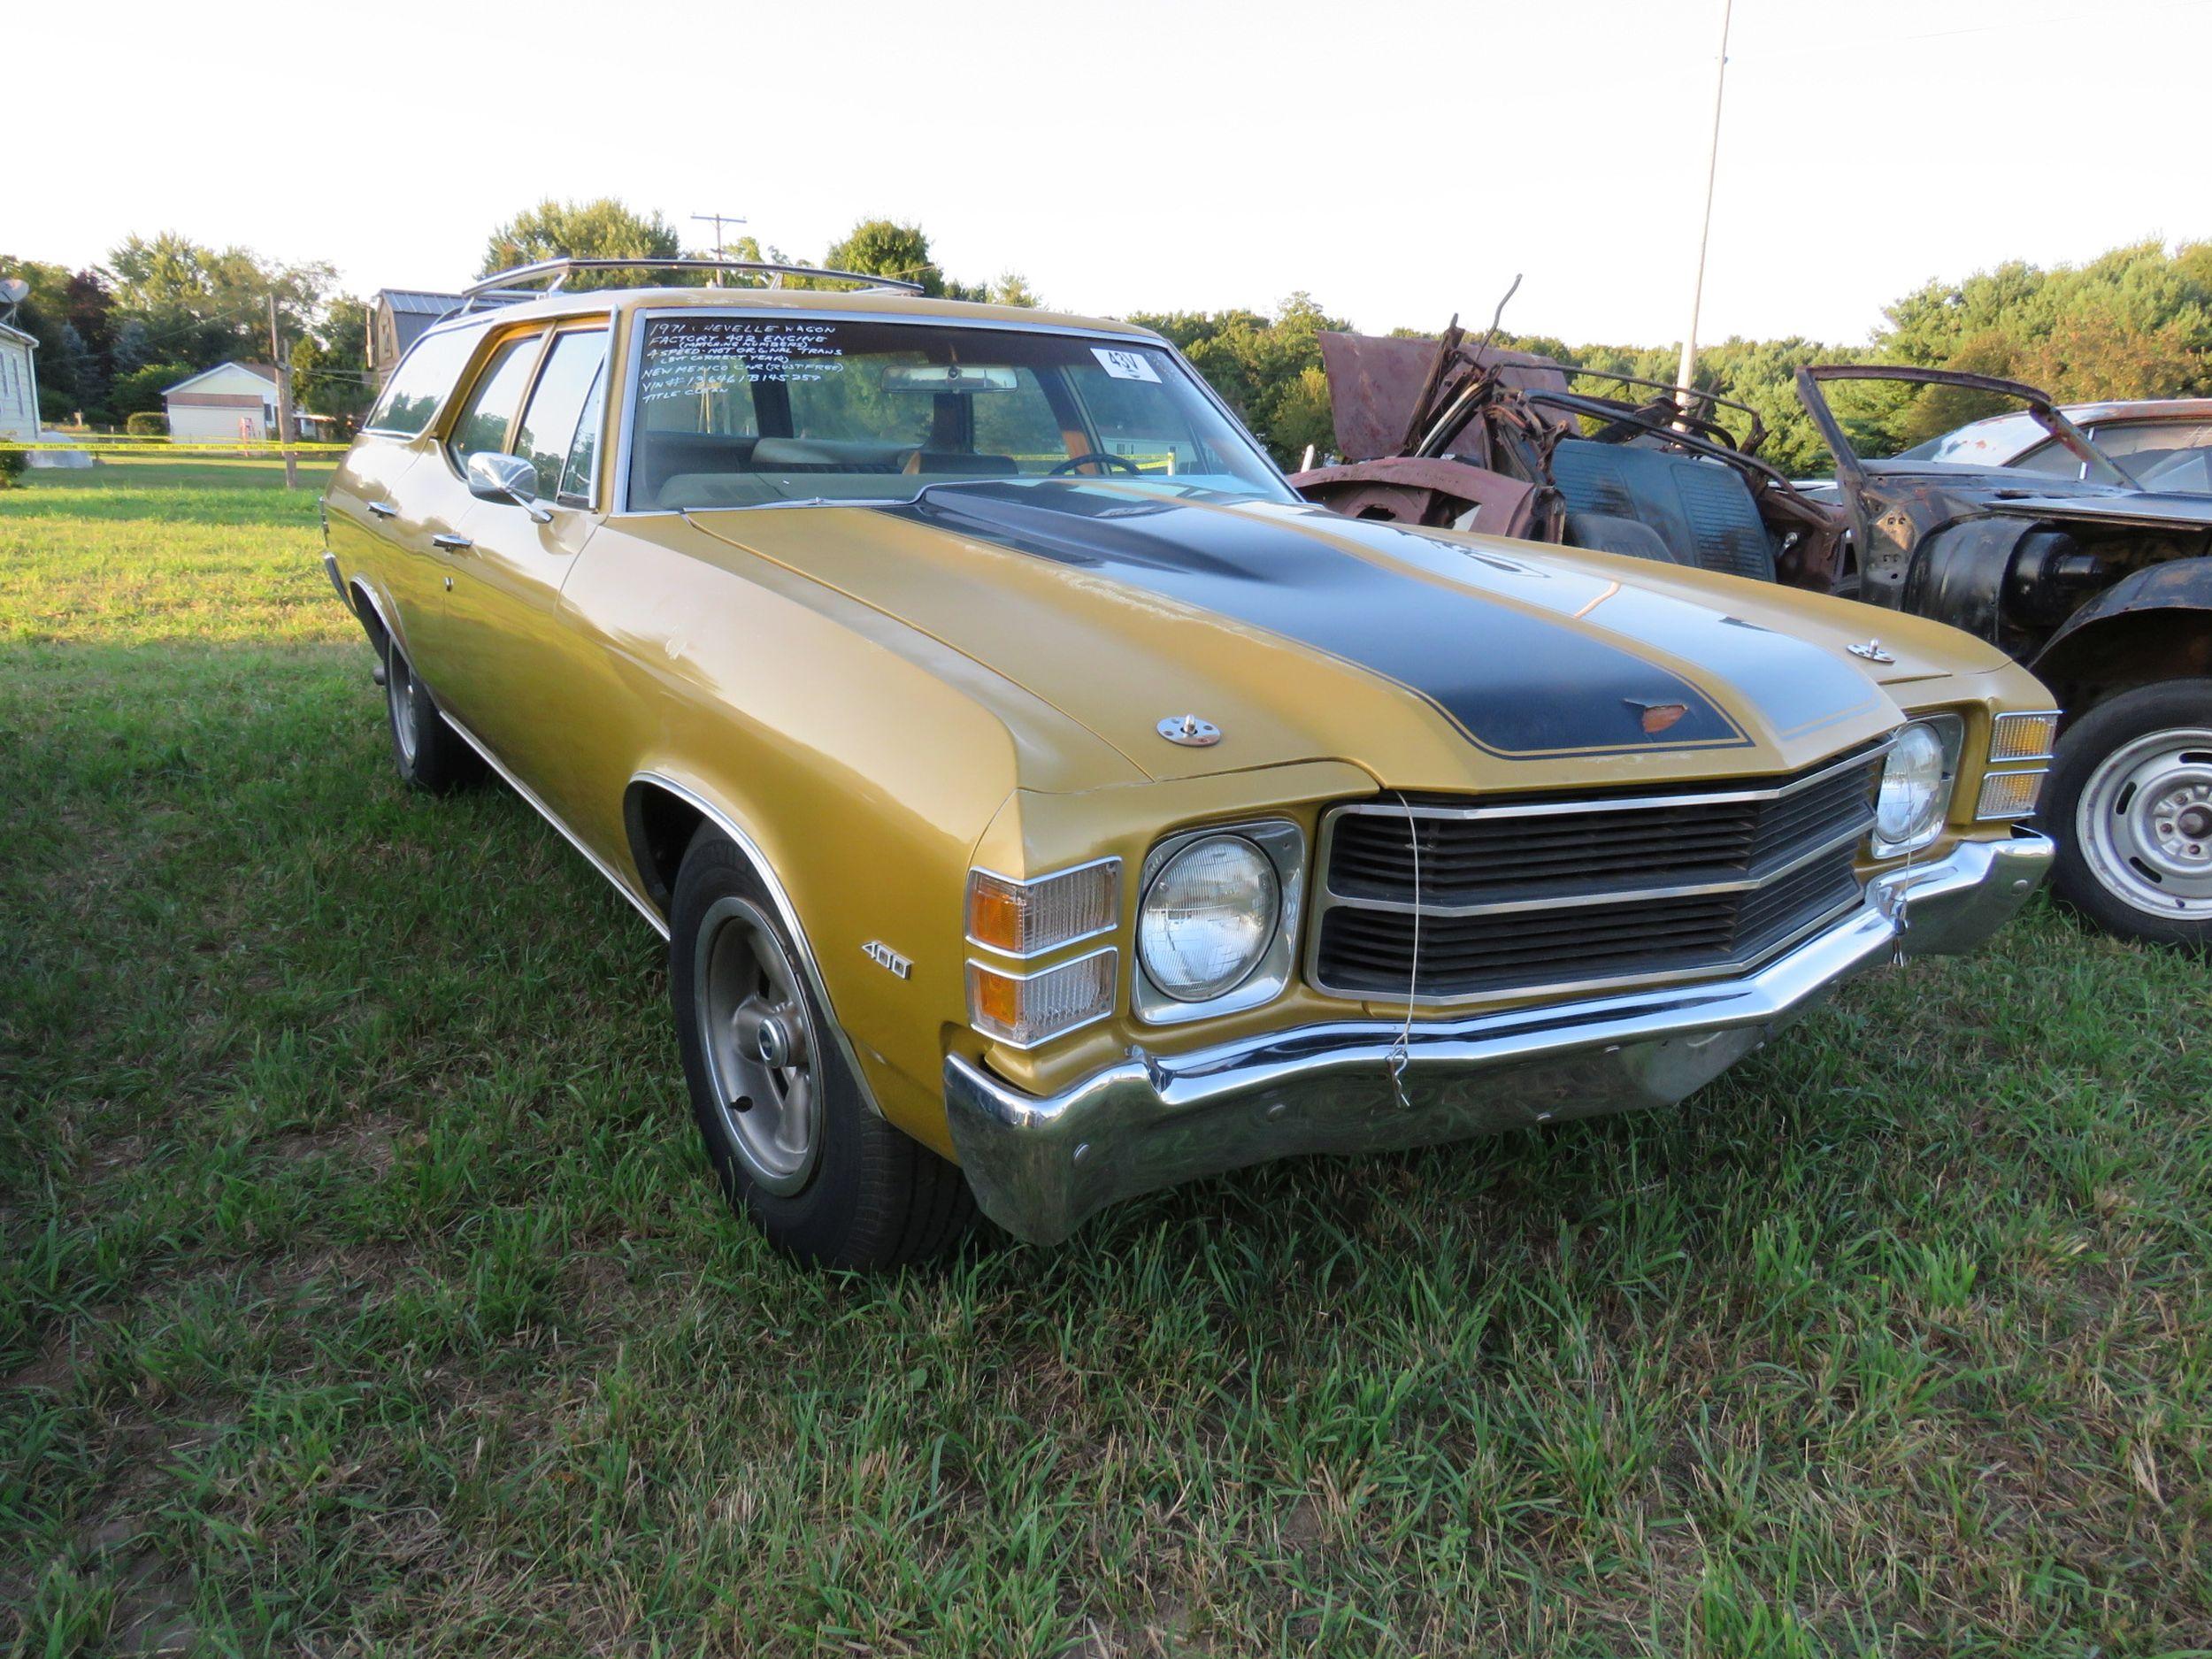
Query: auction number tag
(1125, 366)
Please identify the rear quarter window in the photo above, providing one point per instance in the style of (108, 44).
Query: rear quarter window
(420, 382)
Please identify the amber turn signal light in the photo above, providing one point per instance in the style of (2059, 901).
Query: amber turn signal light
(1025, 918)
(1023, 1010)
(2009, 795)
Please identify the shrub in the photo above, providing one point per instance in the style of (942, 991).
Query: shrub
(148, 423)
(12, 461)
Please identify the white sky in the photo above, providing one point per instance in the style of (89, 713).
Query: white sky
(1399, 159)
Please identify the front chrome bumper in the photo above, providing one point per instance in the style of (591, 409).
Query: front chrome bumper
(1041, 1166)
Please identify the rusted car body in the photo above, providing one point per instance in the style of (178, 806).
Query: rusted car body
(2097, 582)
(1452, 434)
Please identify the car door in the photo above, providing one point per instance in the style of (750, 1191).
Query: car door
(379, 527)
(440, 508)
(502, 615)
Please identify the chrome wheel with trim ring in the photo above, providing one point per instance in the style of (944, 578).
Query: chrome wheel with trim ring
(2128, 800)
(758, 1042)
(400, 696)
(2144, 822)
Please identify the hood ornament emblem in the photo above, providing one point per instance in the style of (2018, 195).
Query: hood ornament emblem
(1189, 731)
(1658, 716)
(1871, 651)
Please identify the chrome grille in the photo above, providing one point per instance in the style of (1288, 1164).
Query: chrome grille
(1549, 895)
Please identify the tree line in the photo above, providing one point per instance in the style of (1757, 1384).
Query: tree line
(2135, 322)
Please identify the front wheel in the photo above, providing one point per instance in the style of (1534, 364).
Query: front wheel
(796, 1146)
(2130, 800)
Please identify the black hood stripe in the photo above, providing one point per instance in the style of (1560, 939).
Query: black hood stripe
(1513, 681)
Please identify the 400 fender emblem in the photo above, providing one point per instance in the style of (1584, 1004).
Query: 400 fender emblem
(888, 959)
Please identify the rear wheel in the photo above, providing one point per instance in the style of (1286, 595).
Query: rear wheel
(2130, 801)
(796, 1146)
(429, 754)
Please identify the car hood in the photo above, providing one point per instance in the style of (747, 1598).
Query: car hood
(1433, 660)
(2002, 491)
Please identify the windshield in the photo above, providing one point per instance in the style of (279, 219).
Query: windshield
(750, 410)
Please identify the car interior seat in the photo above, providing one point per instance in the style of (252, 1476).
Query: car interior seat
(1701, 511)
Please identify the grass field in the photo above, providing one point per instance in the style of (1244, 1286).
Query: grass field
(363, 1289)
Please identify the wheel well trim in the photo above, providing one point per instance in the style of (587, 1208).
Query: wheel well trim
(725, 820)
(360, 586)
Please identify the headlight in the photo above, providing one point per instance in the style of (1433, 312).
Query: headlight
(1916, 786)
(1208, 918)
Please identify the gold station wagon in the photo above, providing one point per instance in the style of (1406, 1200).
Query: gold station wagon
(1043, 805)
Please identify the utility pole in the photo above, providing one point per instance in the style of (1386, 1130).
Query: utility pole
(717, 221)
(284, 398)
(1712, 163)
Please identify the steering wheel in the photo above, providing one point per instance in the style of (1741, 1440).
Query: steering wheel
(1074, 461)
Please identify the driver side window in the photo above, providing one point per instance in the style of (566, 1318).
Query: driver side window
(492, 402)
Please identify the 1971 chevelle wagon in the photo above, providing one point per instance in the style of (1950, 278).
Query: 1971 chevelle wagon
(1044, 805)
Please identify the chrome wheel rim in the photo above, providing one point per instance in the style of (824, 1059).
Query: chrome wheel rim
(2144, 823)
(399, 696)
(758, 1042)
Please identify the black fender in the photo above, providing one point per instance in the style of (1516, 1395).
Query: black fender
(1958, 573)
(2152, 624)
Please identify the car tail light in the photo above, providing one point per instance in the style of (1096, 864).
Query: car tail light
(1022, 1011)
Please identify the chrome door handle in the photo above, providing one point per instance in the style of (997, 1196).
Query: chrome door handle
(452, 543)
(383, 509)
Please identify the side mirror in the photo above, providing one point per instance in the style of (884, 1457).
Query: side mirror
(506, 478)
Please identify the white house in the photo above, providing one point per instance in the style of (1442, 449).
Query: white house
(19, 385)
(208, 406)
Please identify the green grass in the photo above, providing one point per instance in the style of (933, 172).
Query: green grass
(363, 1290)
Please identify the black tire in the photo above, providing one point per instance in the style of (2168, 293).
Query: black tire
(2119, 857)
(862, 1194)
(429, 755)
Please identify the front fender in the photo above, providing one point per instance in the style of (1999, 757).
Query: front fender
(2154, 624)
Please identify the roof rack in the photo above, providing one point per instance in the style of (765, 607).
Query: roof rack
(499, 288)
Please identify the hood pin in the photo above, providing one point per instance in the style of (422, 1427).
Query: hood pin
(1189, 731)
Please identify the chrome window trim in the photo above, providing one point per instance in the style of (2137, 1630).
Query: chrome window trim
(1283, 843)
(633, 363)
(584, 323)
(1326, 899)
(1113, 998)
(1112, 923)
(2053, 715)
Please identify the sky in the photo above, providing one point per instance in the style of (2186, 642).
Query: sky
(1400, 160)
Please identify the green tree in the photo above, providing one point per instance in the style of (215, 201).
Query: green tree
(139, 391)
(328, 373)
(201, 305)
(1268, 369)
(602, 228)
(882, 246)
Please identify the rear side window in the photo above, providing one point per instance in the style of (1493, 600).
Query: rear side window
(497, 395)
(548, 426)
(419, 384)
